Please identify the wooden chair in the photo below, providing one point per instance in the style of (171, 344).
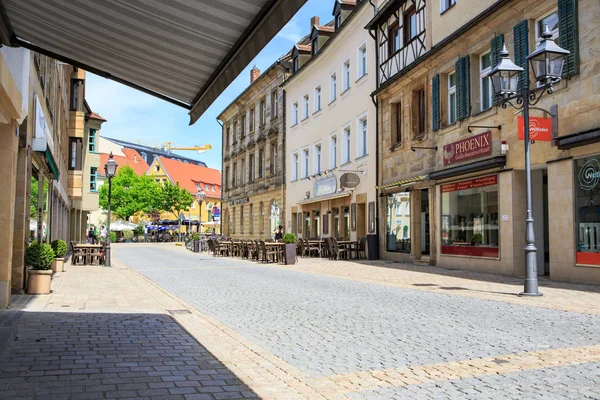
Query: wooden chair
(339, 251)
(362, 247)
(267, 253)
(300, 247)
(78, 257)
(96, 256)
(310, 249)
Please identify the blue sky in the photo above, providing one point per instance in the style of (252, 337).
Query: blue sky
(135, 116)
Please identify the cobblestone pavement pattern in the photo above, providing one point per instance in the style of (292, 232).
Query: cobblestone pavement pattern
(330, 327)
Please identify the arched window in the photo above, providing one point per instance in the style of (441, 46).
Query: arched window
(273, 218)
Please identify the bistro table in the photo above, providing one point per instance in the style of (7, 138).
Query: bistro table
(350, 244)
(278, 247)
(320, 244)
(88, 248)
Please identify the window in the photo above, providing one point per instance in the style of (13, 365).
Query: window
(332, 87)
(294, 114)
(243, 171)
(243, 123)
(145, 156)
(362, 60)
(332, 151)
(305, 154)
(396, 123)
(93, 179)
(234, 176)
(346, 77)
(315, 45)
(263, 112)
(261, 163)
(75, 156)
(227, 177)
(232, 222)
(157, 168)
(317, 159)
(296, 64)
(317, 98)
(252, 118)
(338, 20)
(251, 219)
(261, 217)
(446, 4)
(305, 107)
(227, 135)
(398, 222)
(451, 98)
(295, 167)
(274, 104)
(393, 39)
(410, 25)
(346, 146)
(235, 129)
(273, 165)
(92, 141)
(241, 219)
(552, 22)
(485, 83)
(469, 224)
(587, 217)
(361, 148)
(421, 113)
(251, 169)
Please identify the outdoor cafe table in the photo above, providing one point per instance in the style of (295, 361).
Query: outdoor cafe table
(320, 243)
(87, 248)
(349, 244)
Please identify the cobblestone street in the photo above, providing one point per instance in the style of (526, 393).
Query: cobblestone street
(320, 329)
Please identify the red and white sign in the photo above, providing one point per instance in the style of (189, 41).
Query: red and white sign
(539, 129)
(470, 183)
(467, 149)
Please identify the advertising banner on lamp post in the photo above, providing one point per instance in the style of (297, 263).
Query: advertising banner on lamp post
(539, 129)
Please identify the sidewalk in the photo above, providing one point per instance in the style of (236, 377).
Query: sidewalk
(112, 333)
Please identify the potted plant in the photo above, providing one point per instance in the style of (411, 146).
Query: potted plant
(127, 235)
(196, 239)
(39, 257)
(60, 249)
(476, 239)
(290, 248)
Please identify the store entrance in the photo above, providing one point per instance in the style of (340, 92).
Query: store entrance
(425, 229)
(539, 207)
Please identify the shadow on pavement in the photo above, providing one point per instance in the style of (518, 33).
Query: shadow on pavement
(103, 355)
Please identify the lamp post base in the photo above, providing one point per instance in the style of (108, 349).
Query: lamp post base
(538, 294)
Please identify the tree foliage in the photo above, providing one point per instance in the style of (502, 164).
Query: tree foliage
(33, 195)
(131, 194)
(174, 199)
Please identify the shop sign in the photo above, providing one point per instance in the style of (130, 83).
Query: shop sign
(470, 183)
(467, 149)
(539, 128)
(349, 180)
(589, 174)
(43, 137)
(243, 200)
(325, 186)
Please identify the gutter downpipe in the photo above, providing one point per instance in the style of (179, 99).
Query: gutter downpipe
(376, 103)
(222, 187)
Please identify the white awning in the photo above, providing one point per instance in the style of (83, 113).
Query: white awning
(325, 198)
(183, 51)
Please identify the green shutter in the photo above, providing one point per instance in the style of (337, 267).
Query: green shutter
(568, 35)
(463, 88)
(435, 102)
(495, 49)
(521, 51)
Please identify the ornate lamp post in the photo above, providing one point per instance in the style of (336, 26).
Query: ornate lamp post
(110, 169)
(547, 63)
(200, 196)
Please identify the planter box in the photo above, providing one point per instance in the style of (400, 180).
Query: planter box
(196, 246)
(290, 253)
(39, 281)
(58, 265)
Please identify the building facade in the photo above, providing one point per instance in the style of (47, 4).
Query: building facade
(253, 156)
(451, 176)
(331, 129)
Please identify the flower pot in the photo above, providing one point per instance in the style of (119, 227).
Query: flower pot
(196, 246)
(290, 253)
(58, 265)
(39, 281)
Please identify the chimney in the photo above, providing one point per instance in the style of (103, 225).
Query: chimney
(135, 158)
(254, 73)
(314, 21)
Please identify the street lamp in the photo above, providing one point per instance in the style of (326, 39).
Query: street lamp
(110, 169)
(200, 196)
(547, 63)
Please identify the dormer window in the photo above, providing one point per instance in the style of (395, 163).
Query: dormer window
(315, 45)
(338, 20)
(296, 64)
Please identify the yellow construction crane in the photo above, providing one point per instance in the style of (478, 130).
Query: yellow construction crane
(200, 149)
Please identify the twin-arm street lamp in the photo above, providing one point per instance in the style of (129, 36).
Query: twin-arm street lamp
(110, 169)
(200, 196)
(547, 64)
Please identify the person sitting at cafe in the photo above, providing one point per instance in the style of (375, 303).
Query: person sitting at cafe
(90, 236)
(279, 234)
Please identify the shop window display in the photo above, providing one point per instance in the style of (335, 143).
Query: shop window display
(587, 210)
(398, 223)
(469, 220)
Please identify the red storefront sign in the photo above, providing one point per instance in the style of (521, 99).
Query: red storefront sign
(470, 183)
(467, 149)
(539, 128)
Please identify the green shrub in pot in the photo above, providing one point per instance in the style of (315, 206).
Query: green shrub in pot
(289, 238)
(60, 248)
(39, 256)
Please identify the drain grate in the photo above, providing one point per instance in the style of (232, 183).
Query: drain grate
(178, 312)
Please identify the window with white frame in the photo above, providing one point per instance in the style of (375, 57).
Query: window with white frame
(346, 145)
(317, 98)
(274, 104)
(451, 97)
(305, 155)
(295, 166)
(485, 83)
(332, 87)
(317, 159)
(362, 60)
(295, 113)
(361, 148)
(305, 106)
(446, 4)
(332, 151)
(346, 75)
